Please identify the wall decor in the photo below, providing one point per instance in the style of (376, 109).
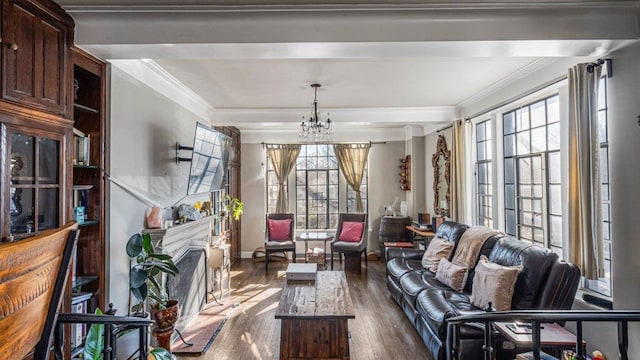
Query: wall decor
(441, 178)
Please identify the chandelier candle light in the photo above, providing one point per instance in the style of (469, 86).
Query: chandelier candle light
(314, 126)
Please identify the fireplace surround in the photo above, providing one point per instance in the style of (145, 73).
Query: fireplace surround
(188, 245)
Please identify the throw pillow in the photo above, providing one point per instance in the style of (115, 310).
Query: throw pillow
(452, 275)
(279, 230)
(494, 283)
(351, 231)
(437, 249)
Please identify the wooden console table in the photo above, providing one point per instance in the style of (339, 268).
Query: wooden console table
(423, 234)
(315, 317)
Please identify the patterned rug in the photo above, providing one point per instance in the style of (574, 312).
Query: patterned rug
(203, 329)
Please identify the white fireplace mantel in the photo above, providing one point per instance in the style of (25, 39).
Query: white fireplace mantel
(178, 239)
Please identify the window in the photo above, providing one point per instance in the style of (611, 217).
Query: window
(603, 285)
(272, 187)
(483, 174)
(317, 188)
(317, 183)
(532, 180)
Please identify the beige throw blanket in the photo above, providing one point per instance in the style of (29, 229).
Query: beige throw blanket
(471, 242)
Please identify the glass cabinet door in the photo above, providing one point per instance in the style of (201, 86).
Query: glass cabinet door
(34, 182)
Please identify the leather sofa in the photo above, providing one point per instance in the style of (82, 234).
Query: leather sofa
(546, 282)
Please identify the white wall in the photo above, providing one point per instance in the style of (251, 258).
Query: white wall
(624, 145)
(145, 126)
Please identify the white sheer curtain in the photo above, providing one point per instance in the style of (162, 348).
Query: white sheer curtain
(585, 201)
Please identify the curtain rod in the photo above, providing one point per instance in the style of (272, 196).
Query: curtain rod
(450, 126)
(326, 143)
(518, 97)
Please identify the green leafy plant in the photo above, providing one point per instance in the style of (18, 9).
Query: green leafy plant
(234, 206)
(149, 263)
(94, 342)
(161, 354)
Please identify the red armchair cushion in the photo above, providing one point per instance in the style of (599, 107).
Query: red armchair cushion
(279, 230)
(351, 231)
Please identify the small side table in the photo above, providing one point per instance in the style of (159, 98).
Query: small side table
(552, 336)
(219, 261)
(315, 236)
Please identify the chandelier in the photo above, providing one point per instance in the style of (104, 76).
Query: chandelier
(314, 126)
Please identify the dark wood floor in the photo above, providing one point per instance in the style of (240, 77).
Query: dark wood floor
(379, 331)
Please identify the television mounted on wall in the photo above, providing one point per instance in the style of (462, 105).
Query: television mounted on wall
(210, 160)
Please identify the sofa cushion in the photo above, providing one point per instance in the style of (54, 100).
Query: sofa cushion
(351, 231)
(451, 231)
(536, 261)
(279, 230)
(437, 305)
(494, 283)
(397, 267)
(452, 275)
(437, 249)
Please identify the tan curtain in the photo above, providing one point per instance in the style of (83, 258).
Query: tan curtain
(283, 158)
(352, 159)
(585, 202)
(456, 211)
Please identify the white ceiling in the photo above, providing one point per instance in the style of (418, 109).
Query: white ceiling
(386, 64)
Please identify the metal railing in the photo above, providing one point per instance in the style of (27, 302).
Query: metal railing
(536, 317)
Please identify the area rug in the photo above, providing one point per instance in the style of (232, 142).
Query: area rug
(203, 329)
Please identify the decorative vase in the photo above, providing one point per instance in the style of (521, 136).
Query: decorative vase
(164, 322)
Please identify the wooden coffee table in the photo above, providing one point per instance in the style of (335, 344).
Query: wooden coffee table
(315, 318)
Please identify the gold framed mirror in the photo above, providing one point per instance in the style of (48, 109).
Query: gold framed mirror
(441, 178)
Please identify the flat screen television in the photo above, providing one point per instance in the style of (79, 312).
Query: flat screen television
(210, 160)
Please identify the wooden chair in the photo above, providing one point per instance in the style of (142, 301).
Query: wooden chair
(33, 276)
(350, 249)
(280, 245)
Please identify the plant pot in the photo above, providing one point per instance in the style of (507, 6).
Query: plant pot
(164, 320)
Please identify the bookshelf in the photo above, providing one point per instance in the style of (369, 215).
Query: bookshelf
(87, 197)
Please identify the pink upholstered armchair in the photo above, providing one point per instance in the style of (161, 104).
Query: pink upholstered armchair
(351, 237)
(279, 236)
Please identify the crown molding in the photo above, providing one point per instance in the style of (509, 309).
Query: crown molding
(73, 6)
(525, 71)
(153, 75)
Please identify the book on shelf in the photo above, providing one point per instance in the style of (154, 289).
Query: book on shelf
(79, 306)
(82, 146)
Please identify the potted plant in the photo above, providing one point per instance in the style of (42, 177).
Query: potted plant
(144, 285)
(94, 344)
(233, 206)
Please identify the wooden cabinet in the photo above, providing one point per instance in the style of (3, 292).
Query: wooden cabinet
(232, 228)
(33, 198)
(88, 191)
(36, 36)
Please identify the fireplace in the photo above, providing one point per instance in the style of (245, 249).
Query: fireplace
(187, 244)
(189, 286)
